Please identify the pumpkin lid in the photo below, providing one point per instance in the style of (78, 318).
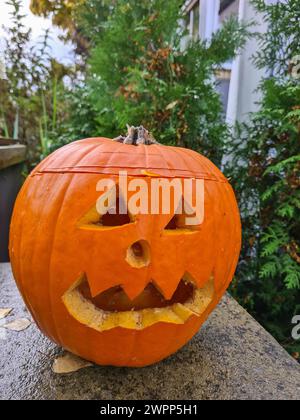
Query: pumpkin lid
(104, 156)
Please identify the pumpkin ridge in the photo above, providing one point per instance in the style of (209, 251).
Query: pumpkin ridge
(227, 199)
(169, 155)
(68, 149)
(18, 228)
(210, 167)
(50, 285)
(228, 227)
(34, 194)
(168, 161)
(221, 233)
(53, 238)
(112, 154)
(80, 170)
(234, 244)
(237, 234)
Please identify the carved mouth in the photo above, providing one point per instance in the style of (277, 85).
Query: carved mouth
(113, 308)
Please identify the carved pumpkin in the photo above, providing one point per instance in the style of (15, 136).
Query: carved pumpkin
(120, 289)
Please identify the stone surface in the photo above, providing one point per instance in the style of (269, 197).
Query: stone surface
(232, 357)
(12, 155)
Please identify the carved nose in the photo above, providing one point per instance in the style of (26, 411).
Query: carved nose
(139, 254)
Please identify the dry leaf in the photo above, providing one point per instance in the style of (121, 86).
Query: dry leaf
(18, 325)
(4, 312)
(171, 105)
(69, 363)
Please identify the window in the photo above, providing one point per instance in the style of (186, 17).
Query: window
(224, 4)
(228, 8)
(192, 20)
(187, 22)
(196, 20)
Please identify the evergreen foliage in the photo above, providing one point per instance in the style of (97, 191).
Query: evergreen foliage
(141, 71)
(29, 109)
(265, 171)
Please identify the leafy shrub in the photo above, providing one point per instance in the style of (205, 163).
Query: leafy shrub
(140, 73)
(29, 109)
(265, 170)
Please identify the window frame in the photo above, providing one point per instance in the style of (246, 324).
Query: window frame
(224, 4)
(189, 10)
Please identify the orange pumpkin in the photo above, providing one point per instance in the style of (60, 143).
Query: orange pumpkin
(120, 289)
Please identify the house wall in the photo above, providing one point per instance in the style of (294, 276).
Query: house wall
(232, 9)
(239, 88)
(245, 77)
(209, 17)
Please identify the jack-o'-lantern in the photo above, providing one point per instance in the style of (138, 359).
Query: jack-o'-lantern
(121, 289)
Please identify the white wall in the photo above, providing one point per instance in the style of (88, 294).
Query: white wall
(209, 17)
(243, 95)
(245, 78)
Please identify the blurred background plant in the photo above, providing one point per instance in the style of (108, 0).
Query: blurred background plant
(131, 66)
(29, 109)
(264, 167)
(138, 71)
(80, 19)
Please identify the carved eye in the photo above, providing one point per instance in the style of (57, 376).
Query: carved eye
(114, 218)
(111, 219)
(175, 223)
(180, 223)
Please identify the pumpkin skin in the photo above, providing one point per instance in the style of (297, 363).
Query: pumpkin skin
(49, 252)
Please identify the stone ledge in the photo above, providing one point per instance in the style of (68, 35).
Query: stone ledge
(12, 155)
(231, 358)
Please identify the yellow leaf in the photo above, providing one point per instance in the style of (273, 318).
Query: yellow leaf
(69, 363)
(4, 312)
(171, 105)
(18, 325)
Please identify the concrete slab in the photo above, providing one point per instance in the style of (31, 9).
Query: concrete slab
(232, 357)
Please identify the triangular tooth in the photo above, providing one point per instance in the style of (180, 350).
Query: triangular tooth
(133, 283)
(167, 284)
(74, 286)
(92, 216)
(100, 280)
(202, 298)
(200, 275)
(134, 289)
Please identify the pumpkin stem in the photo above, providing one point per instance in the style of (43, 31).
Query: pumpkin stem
(136, 136)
